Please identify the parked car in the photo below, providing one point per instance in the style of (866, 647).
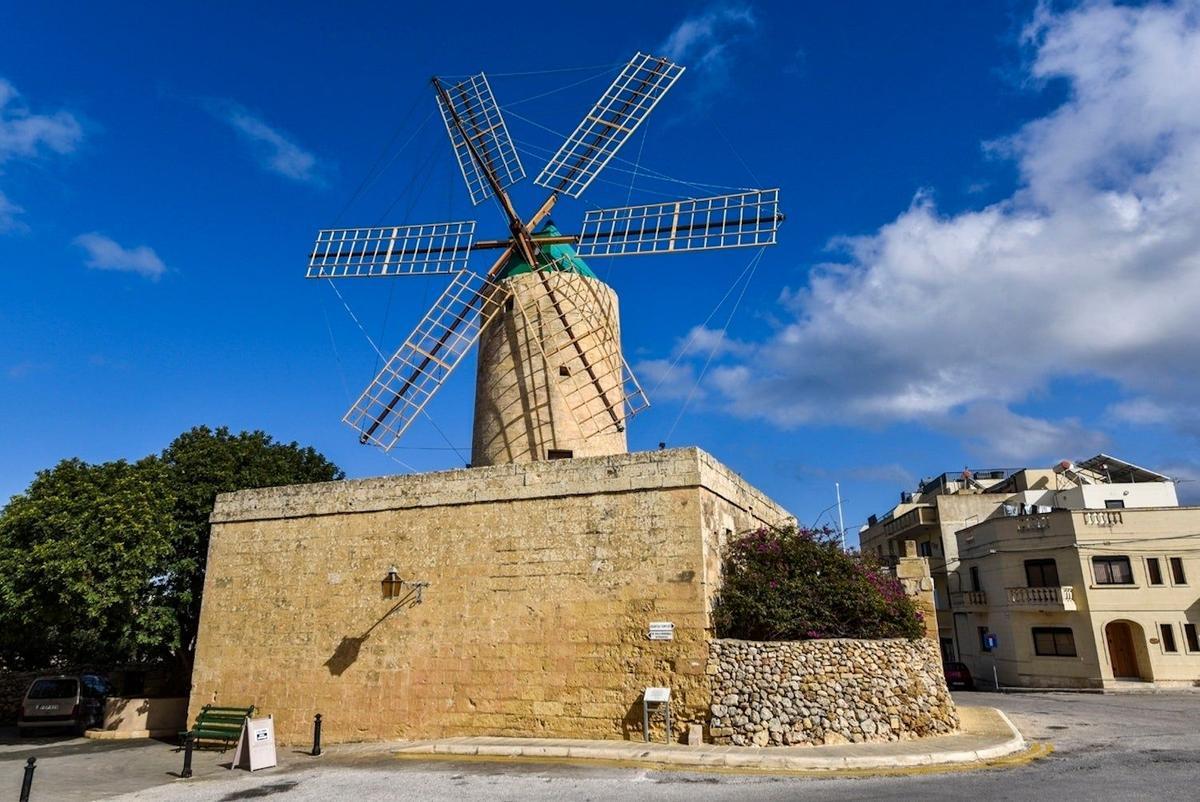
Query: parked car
(958, 676)
(74, 702)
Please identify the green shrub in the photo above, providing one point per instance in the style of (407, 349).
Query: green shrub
(798, 584)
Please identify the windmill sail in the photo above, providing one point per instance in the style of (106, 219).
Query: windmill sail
(475, 107)
(614, 118)
(392, 250)
(414, 373)
(741, 220)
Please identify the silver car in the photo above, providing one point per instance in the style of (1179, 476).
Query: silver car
(74, 702)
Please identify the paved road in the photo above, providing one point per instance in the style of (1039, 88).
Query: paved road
(1106, 747)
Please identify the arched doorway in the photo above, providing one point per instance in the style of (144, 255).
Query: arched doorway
(1124, 638)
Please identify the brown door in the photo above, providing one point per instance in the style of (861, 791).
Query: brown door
(1120, 650)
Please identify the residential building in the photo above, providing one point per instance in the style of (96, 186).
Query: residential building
(941, 506)
(1094, 598)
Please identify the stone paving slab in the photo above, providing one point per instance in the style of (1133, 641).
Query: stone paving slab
(985, 734)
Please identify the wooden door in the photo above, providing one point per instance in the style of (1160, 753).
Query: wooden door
(1120, 650)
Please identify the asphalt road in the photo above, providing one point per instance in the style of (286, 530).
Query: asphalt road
(1140, 747)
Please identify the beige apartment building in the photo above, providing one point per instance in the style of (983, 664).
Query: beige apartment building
(1081, 598)
(1102, 495)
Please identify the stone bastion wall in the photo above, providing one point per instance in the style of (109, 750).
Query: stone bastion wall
(827, 692)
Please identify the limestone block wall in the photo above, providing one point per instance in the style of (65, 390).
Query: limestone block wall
(543, 579)
(532, 386)
(827, 692)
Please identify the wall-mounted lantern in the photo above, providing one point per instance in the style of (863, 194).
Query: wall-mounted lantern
(392, 584)
(393, 588)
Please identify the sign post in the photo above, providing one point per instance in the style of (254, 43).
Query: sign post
(256, 745)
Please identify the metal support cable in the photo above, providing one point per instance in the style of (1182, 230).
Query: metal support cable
(754, 266)
(354, 317)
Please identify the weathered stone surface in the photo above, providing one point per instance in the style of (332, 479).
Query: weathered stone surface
(543, 578)
(828, 691)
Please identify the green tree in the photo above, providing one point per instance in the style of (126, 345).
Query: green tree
(104, 564)
(81, 557)
(798, 584)
(201, 463)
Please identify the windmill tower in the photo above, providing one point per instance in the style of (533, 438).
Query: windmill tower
(551, 380)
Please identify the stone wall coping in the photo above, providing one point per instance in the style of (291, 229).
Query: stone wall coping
(586, 476)
(739, 641)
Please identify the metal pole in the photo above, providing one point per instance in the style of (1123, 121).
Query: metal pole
(27, 783)
(841, 521)
(187, 757)
(316, 750)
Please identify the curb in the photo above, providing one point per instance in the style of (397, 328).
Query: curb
(128, 735)
(1009, 741)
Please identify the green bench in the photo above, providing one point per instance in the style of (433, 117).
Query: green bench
(214, 723)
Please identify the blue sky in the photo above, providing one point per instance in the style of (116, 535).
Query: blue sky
(990, 257)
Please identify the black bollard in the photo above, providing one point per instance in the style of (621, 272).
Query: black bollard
(316, 735)
(27, 783)
(187, 757)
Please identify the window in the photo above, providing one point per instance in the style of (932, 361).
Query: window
(1054, 641)
(975, 578)
(1041, 573)
(1189, 635)
(1168, 637)
(1114, 504)
(924, 549)
(983, 645)
(53, 689)
(1177, 574)
(1112, 570)
(1154, 571)
(559, 453)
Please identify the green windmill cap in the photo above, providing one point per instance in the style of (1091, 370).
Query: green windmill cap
(556, 256)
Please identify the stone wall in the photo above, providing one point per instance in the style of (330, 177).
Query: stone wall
(827, 692)
(543, 578)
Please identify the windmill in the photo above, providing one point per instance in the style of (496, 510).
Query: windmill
(551, 379)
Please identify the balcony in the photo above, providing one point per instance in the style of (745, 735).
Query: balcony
(1053, 598)
(914, 518)
(1102, 518)
(967, 599)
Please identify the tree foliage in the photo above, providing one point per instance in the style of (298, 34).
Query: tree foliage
(797, 584)
(104, 564)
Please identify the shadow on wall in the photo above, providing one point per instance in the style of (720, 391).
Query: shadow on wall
(347, 651)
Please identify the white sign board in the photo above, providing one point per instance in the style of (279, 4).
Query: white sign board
(256, 745)
(657, 695)
(662, 630)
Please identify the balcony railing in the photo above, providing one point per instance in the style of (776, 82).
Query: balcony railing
(1056, 598)
(968, 598)
(1102, 518)
(918, 516)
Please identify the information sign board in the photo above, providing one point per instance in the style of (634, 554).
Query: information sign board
(256, 745)
(662, 630)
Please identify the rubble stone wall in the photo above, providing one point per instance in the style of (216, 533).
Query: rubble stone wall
(827, 692)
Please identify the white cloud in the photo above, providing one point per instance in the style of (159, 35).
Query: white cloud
(8, 215)
(668, 380)
(276, 151)
(995, 432)
(104, 253)
(27, 135)
(704, 42)
(1091, 269)
(703, 341)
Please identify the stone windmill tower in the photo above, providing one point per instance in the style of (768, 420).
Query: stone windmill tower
(551, 380)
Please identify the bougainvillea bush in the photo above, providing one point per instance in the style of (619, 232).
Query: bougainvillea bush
(793, 583)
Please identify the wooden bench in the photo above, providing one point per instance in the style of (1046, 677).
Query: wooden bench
(214, 723)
